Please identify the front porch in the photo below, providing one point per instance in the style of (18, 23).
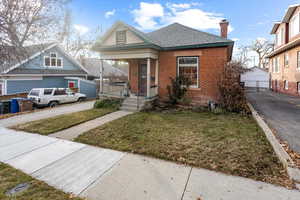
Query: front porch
(142, 82)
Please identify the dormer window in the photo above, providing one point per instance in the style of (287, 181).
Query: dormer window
(294, 26)
(121, 37)
(52, 60)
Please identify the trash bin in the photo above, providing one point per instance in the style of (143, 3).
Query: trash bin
(5, 107)
(14, 105)
(25, 105)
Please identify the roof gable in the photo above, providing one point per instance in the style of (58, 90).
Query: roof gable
(174, 36)
(133, 35)
(33, 61)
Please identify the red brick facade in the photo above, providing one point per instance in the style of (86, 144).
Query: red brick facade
(211, 67)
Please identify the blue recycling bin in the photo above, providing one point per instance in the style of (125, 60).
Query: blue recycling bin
(14, 105)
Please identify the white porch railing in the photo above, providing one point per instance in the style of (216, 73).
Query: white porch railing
(118, 89)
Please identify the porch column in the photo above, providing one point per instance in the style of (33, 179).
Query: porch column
(148, 77)
(101, 78)
(156, 75)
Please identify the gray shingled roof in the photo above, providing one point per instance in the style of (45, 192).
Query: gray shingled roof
(93, 66)
(20, 54)
(46, 71)
(176, 35)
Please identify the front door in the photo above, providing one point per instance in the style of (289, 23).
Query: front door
(142, 79)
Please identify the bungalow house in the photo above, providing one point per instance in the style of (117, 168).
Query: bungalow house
(43, 66)
(168, 52)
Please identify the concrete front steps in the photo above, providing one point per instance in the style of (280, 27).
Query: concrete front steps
(133, 104)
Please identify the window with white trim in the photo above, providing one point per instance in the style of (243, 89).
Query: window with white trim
(53, 60)
(286, 59)
(286, 85)
(298, 60)
(280, 37)
(188, 67)
(276, 62)
(294, 25)
(1, 88)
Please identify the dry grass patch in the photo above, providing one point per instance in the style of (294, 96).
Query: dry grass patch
(10, 177)
(61, 122)
(228, 143)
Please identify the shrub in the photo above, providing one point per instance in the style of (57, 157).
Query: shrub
(178, 88)
(232, 93)
(108, 103)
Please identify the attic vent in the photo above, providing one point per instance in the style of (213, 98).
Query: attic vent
(121, 37)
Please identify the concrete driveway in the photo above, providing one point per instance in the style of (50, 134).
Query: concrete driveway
(42, 114)
(281, 112)
(103, 174)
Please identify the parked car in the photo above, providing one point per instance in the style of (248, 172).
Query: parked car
(54, 96)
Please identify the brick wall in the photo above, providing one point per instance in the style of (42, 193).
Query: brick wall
(289, 72)
(292, 88)
(211, 66)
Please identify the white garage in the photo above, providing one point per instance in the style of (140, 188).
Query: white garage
(256, 77)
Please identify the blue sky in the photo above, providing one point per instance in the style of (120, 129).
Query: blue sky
(248, 19)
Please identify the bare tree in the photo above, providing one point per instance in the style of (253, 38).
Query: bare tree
(24, 22)
(74, 42)
(242, 56)
(262, 47)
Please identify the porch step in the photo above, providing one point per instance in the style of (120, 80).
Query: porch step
(133, 104)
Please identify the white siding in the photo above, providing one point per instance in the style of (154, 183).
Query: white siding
(256, 75)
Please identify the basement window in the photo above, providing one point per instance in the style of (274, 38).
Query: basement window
(188, 67)
(286, 85)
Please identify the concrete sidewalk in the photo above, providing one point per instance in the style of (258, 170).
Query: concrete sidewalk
(98, 173)
(75, 131)
(42, 114)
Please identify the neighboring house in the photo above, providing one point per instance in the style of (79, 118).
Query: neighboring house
(285, 59)
(94, 65)
(256, 77)
(44, 66)
(173, 50)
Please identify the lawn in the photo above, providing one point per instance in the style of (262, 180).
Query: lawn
(229, 143)
(10, 177)
(61, 122)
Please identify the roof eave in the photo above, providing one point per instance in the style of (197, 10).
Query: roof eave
(198, 46)
(275, 27)
(289, 13)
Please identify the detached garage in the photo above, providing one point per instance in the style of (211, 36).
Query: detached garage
(256, 77)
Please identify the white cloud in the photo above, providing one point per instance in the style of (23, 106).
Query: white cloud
(147, 15)
(151, 16)
(110, 13)
(81, 29)
(235, 39)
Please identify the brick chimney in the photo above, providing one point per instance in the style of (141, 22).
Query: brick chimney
(224, 28)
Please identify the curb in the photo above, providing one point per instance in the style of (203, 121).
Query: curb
(284, 157)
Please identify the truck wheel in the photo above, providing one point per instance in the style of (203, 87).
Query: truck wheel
(53, 104)
(81, 99)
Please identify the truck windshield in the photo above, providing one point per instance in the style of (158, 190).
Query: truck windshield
(34, 93)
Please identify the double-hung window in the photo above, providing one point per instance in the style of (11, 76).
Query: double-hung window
(286, 59)
(276, 62)
(298, 60)
(188, 67)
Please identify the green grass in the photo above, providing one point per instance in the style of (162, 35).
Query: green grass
(229, 143)
(61, 122)
(10, 177)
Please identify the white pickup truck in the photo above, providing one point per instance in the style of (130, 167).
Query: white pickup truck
(54, 96)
